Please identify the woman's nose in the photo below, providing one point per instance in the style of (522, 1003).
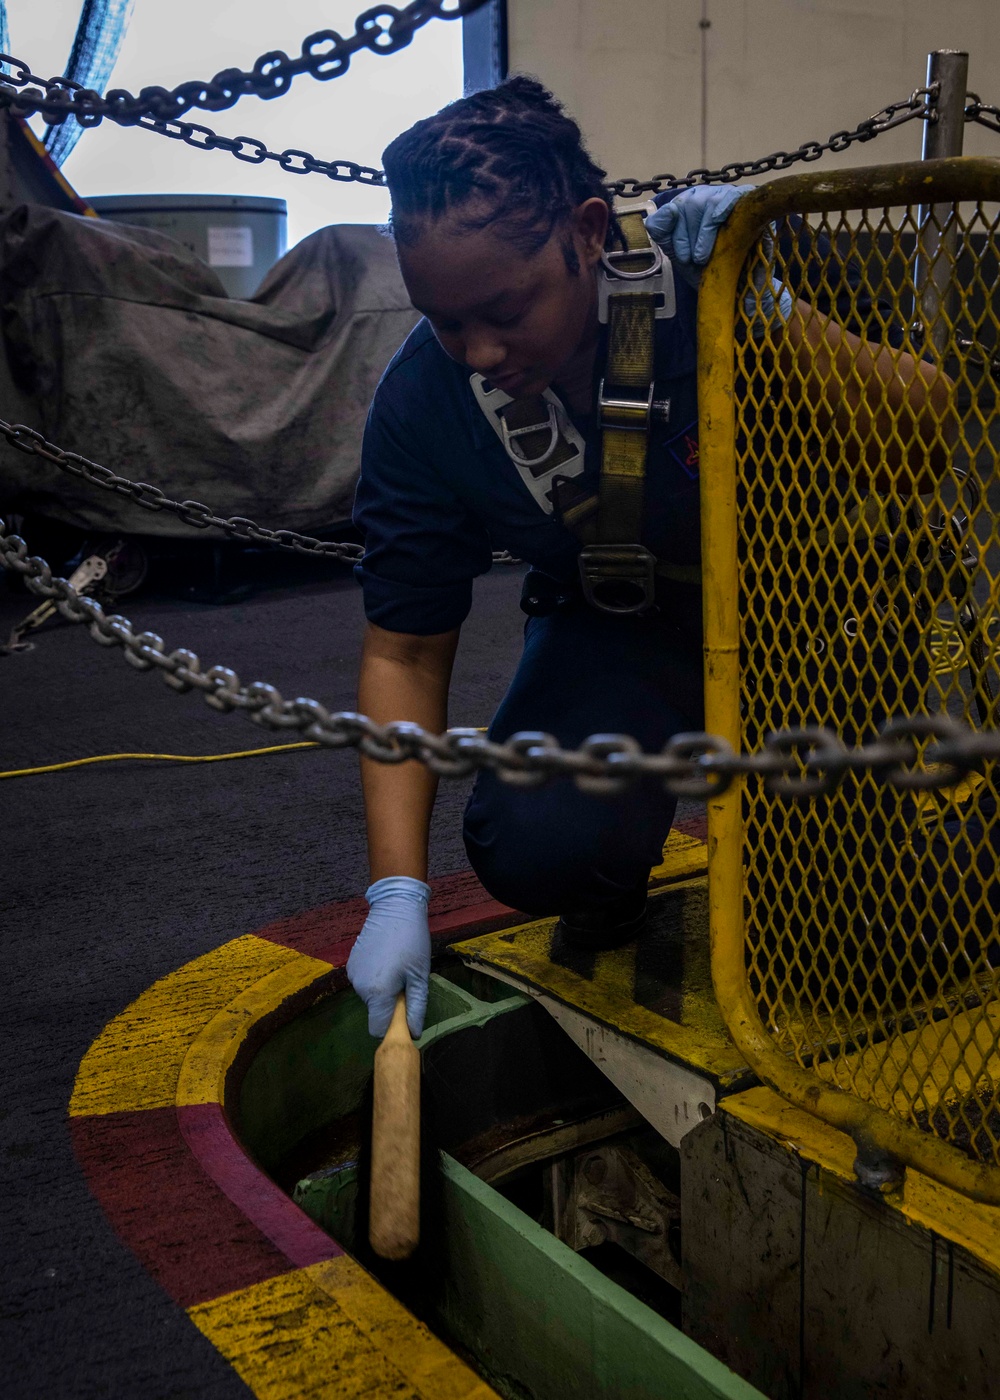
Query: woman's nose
(484, 353)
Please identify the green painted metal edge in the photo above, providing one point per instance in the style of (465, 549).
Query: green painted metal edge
(315, 1068)
(539, 1318)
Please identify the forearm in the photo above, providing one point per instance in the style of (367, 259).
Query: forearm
(399, 799)
(402, 678)
(883, 410)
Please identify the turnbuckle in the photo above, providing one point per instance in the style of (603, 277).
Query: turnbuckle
(618, 578)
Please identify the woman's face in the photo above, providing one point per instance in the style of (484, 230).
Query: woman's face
(518, 320)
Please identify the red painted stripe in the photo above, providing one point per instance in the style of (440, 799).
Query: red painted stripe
(178, 1187)
(207, 1132)
(476, 918)
(184, 1230)
(458, 904)
(694, 826)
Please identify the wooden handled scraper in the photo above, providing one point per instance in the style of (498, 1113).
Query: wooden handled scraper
(394, 1219)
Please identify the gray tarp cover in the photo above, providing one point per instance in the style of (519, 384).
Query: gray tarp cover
(123, 346)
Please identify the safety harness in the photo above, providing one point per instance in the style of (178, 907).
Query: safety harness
(635, 290)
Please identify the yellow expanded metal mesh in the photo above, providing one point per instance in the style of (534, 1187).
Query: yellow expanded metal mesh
(866, 501)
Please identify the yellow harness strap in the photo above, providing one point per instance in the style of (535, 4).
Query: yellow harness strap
(625, 398)
(616, 572)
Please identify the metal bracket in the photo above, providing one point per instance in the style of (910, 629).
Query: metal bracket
(83, 579)
(672, 1098)
(539, 483)
(618, 578)
(608, 1193)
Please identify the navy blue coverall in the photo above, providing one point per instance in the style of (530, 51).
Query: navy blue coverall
(437, 495)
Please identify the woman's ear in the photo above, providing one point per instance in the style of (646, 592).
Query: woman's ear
(590, 230)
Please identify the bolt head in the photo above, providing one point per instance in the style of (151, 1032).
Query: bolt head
(595, 1169)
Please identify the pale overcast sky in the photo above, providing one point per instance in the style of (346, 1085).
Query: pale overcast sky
(171, 41)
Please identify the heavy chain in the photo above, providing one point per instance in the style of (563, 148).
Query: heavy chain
(298, 162)
(325, 55)
(255, 152)
(917, 107)
(981, 112)
(27, 440)
(30, 441)
(383, 29)
(915, 753)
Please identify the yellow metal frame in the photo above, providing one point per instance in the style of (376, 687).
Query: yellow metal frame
(931, 182)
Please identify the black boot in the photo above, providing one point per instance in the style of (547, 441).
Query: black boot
(605, 925)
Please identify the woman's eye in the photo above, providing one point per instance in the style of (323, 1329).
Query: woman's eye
(509, 320)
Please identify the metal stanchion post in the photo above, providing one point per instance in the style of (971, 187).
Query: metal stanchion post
(947, 76)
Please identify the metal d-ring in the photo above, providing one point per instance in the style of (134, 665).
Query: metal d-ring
(509, 434)
(607, 260)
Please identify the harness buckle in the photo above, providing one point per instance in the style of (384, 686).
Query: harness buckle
(618, 578)
(656, 280)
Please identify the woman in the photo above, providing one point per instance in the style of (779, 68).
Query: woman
(500, 219)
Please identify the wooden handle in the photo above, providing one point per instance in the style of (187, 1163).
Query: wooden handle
(394, 1217)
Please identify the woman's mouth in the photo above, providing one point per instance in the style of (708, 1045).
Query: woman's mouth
(508, 382)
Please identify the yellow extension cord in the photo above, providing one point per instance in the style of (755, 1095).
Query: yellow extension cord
(164, 757)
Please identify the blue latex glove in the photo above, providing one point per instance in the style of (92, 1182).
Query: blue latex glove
(393, 953)
(686, 229)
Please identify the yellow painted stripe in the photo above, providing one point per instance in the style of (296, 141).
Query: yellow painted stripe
(135, 1062)
(925, 1202)
(683, 857)
(290, 1338)
(425, 1361)
(210, 1055)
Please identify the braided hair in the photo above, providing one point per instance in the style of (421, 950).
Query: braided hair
(508, 156)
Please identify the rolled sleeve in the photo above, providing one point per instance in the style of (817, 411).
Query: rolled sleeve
(423, 547)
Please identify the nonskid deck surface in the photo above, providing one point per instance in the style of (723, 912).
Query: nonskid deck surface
(117, 875)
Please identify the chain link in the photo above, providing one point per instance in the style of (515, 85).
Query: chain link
(31, 442)
(917, 107)
(917, 752)
(981, 112)
(381, 29)
(298, 162)
(326, 54)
